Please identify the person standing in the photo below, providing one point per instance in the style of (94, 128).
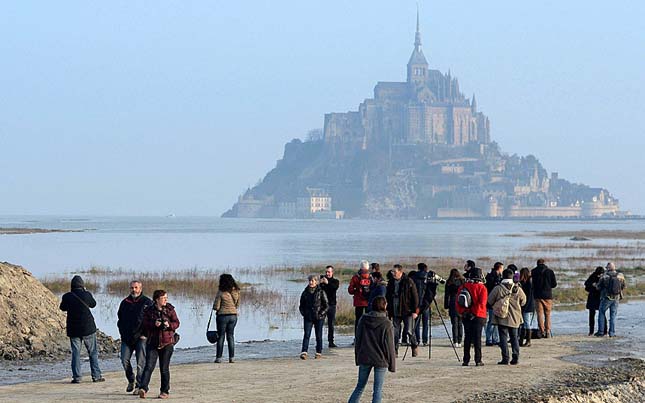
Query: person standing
(543, 283)
(492, 280)
(424, 281)
(226, 304)
(508, 322)
(528, 309)
(359, 288)
(374, 349)
(611, 286)
(313, 308)
(593, 298)
(130, 318)
(160, 322)
(81, 328)
(455, 280)
(402, 307)
(330, 285)
(474, 316)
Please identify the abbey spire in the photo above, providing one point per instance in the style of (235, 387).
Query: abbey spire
(417, 65)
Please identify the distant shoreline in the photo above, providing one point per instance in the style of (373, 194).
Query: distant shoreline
(24, 231)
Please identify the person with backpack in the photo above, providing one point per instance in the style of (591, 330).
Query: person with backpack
(455, 280)
(492, 280)
(507, 300)
(611, 286)
(593, 298)
(313, 308)
(81, 328)
(359, 288)
(543, 284)
(402, 307)
(471, 306)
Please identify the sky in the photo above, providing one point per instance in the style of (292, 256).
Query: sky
(152, 108)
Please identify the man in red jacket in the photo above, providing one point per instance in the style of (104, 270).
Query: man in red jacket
(474, 316)
(359, 287)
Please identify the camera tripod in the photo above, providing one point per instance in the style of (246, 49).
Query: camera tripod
(410, 333)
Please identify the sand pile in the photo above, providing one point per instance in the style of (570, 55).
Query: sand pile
(31, 325)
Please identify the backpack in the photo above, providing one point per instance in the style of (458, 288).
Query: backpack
(615, 287)
(464, 299)
(365, 286)
(502, 305)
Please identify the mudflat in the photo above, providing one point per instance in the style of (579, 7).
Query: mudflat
(331, 378)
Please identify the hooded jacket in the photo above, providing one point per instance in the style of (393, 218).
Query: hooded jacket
(374, 344)
(479, 294)
(518, 298)
(543, 282)
(408, 297)
(158, 337)
(313, 305)
(355, 288)
(77, 303)
(130, 318)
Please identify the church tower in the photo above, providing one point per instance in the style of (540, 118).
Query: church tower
(417, 65)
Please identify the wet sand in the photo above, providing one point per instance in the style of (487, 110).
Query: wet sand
(330, 379)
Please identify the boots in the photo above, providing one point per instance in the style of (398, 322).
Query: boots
(527, 342)
(415, 351)
(522, 336)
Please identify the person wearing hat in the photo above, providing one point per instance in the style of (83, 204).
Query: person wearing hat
(611, 286)
(81, 328)
(474, 317)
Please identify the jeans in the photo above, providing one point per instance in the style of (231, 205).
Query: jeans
(331, 321)
(504, 332)
(492, 334)
(527, 317)
(407, 322)
(473, 336)
(457, 329)
(423, 321)
(318, 327)
(92, 351)
(164, 354)
(592, 322)
(226, 328)
(612, 304)
(543, 308)
(363, 375)
(139, 348)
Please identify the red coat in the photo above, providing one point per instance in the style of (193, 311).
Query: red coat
(479, 294)
(356, 289)
(157, 337)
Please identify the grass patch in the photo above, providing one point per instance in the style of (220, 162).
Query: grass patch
(607, 234)
(63, 285)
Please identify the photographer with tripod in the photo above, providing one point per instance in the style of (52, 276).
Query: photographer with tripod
(402, 307)
(423, 280)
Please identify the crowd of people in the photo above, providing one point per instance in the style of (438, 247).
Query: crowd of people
(389, 311)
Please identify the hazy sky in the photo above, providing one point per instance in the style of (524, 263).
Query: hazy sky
(147, 108)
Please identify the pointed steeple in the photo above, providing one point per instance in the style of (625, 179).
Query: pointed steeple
(417, 65)
(417, 35)
(473, 104)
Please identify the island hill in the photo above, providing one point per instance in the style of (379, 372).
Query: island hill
(417, 149)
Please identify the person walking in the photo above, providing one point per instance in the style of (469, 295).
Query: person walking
(226, 304)
(543, 283)
(402, 307)
(528, 309)
(509, 296)
(313, 308)
(455, 280)
(374, 350)
(593, 298)
(130, 318)
(492, 280)
(611, 286)
(81, 328)
(330, 285)
(359, 288)
(473, 316)
(160, 322)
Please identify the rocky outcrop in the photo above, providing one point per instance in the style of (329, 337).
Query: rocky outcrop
(31, 324)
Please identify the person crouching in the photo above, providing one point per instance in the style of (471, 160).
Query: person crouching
(313, 308)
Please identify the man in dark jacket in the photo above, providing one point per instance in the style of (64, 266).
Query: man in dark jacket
(402, 306)
(426, 282)
(330, 285)
(543, 282)
(130, 317)
(492, 280)
(374, 349)
(81, 328)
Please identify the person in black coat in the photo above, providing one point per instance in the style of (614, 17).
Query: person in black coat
(544, 282)
(330, 285)
(455, 280)
(528, 309)
(81, 328)
(402, 306)
(313, 308)
(593, 299)
(130, 318)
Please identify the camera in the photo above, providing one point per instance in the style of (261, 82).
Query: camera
(433, 277)
(163, 319)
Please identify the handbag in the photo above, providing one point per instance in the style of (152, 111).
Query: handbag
(211, 335)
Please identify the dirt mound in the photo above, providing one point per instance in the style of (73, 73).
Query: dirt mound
(31, 325)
